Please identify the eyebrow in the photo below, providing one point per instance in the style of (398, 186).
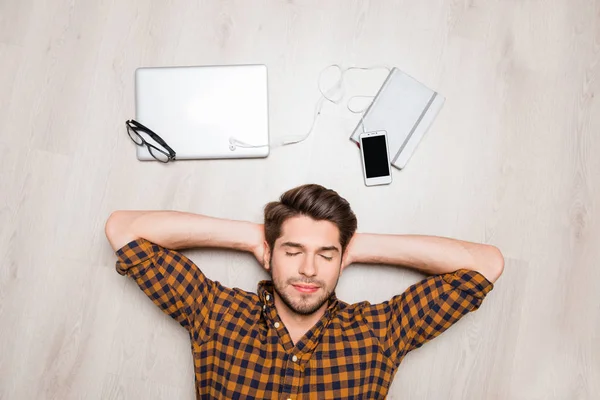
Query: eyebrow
(301, 246)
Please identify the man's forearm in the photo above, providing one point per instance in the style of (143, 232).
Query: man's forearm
(179, 230)
(429, 254)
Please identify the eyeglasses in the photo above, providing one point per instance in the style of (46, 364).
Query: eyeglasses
(163, 153)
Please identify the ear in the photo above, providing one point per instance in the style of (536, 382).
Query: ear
(345, 261)
(266, 255)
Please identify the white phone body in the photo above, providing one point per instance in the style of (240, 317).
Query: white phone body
(375, 155)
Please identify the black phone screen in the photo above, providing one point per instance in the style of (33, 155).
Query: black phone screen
(376, 156)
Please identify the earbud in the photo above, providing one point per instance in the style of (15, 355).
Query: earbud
(234, 144)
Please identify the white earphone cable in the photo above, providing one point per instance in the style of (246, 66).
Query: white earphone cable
(328, 95)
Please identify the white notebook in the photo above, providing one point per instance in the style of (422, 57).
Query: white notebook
(405, 109)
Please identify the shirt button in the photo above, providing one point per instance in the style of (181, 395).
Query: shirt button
(268, 297)
(294, 359)
(264, 306)
(276, 324)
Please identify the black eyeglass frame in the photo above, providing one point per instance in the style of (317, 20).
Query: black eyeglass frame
(133, 125)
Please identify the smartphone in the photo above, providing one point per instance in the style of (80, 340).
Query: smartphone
(375, 158)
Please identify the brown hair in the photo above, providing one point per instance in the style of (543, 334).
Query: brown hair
(313, 201)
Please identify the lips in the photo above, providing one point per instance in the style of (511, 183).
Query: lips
(307, 286)
(306, 289)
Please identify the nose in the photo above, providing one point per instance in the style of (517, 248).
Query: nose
(308, 267)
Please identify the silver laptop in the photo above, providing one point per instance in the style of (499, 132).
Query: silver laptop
(198, 110)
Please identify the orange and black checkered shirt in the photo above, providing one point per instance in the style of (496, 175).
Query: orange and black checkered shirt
(242, 349)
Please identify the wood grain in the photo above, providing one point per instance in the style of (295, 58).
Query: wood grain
(512, 160)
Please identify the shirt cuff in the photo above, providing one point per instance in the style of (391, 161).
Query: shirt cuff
(469, 281)
(134, 253)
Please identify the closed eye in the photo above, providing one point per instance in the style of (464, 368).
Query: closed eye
(287, 253)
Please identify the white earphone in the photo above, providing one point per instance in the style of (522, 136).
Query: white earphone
(337, 87)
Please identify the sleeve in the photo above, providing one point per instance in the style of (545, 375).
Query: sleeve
(173, 282)
(425, 310)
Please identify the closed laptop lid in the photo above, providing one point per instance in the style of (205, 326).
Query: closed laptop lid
(197, 109)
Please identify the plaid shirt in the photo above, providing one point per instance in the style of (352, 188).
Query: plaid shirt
(241, 348)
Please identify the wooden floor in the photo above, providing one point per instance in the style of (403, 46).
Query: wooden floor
(512, 160)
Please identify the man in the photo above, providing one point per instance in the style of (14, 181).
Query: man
(294, 338)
